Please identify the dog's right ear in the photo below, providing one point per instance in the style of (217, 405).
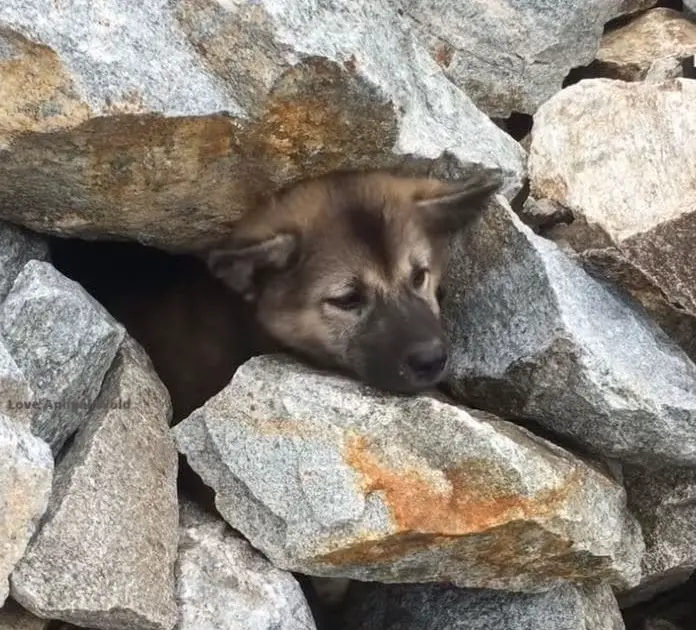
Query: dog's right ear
(240, 263)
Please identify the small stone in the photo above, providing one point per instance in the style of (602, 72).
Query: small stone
(106, 551)
(535, 337)
(665, 504)
(441, 607)
(329, 478)
(17, 247)
(26, 473)
(632, 193)
(650, 47)
(223, 582)
(63, 341)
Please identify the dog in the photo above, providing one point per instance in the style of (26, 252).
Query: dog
(344, 270)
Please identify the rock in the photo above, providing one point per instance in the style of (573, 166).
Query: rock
(17, 247)
(16, 395)
(535, 337)
(329, 478)
(511, 55)
(26, 472)
(143, 122)
(224, 583)
(63, 341)
(105, 554)
(14, 617)
(643, 48)
(441, 607)
(690, 7)
(632, 193)
(665, 504)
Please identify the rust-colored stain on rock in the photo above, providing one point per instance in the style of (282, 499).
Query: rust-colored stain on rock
(468, 506)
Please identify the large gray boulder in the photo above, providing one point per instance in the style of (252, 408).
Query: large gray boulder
(441, 607)
(222, 582)
(63, 341)
(512, 55)
(329, 478)
(26, 473)
(16, 395)
(537, 338)
(104, 556)
(159, 130)
(614, 154)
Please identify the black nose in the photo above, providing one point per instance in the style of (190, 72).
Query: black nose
(426, 360)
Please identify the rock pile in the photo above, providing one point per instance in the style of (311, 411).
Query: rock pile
(551, 484)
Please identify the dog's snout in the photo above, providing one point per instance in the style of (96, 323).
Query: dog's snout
(426, 361)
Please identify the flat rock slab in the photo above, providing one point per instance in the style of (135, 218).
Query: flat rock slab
(157, 130)
(644, 48)
(63, 341)
(26, 473)
(511, 55)
(222, 582)
(329, 478)
(535, 337)
(105, 554)
(440, 607)
(665, 504)
(17, 247)
(632, 193)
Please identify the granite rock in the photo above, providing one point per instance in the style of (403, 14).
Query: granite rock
(14, 617)
(26, 473)
(632, 193)
(222, 582)
(652, 47)
(63, 341)
(535, 337)
(512, 55)
(143, 121)
(665, 505)
(16, 395)
(329, 478)
(17, 247)
(105, 554)
(441, 607)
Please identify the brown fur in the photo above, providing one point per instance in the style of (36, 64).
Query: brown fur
(344, 270)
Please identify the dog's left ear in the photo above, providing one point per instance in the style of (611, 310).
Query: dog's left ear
(449, 206)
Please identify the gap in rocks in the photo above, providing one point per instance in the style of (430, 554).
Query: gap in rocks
(517, 125)
(194, 330)
(676, 606)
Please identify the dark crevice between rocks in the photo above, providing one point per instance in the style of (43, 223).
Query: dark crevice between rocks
(517, 125)
(676, 606)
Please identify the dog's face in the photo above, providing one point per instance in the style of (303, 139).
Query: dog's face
(345, 269)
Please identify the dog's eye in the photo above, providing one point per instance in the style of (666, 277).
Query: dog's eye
(350, 301)
(418, 277)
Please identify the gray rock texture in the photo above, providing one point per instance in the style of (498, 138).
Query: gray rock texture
(511, 55)
(105, 554)
(535, 337)
(440, 607)
(159, 130)
(665, 505)
(222, 582)
(63, 341)
(16, 395)
(329, 478)
(17, 247)
(632, 193)
(26, 473)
